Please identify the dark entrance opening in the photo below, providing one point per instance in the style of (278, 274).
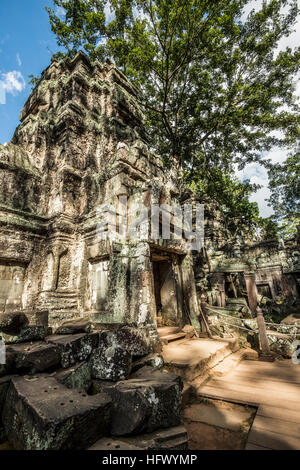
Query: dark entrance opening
(264, 290)
(297, 280)
(165, 291)
(235, 286)
(160, 272)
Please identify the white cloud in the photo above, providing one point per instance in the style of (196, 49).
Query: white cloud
(254, 5)
(101, 41)
(60, 11)
(260, 197)
(277, 155)
(292, 40)
(13, 82)
(2, 93)
(19, 60)
(109, 13)
(255, 172)
(258, 175)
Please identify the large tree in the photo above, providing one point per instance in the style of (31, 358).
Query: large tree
(231, 194)
(284, 183)
(215, 89)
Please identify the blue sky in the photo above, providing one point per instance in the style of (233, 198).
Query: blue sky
(26, 46)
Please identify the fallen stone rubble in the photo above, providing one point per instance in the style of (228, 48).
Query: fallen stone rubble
(107, 382)
(174, 438)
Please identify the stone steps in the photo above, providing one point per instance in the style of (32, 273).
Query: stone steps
(174, 337)
(167, 330)
(232, 361)
(59, 300)
(55, 413)
(54, 401)
(254, 389)
(168, 334)
(195, 357)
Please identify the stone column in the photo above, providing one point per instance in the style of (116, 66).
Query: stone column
(218, 287)
(55, 268)
(221, 287)
(178, 288)
(189, 291)
(58, 252)
(251, 290)
(142, 296)
(265, 353)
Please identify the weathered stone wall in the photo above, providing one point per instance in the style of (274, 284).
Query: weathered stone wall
(259, 270)
(82, 145)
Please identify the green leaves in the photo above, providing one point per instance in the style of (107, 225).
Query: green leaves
(231, 194)
(284, 183)
(214, 88)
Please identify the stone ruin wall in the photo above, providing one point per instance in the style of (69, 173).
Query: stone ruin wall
(269, 268)
(81, 144)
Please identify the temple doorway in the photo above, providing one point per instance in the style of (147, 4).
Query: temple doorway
(166, 290)
(11, 286)
(264, 290)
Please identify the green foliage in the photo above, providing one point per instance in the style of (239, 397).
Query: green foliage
(228, 191)
(284, 183)
(213, 87)
(288, 226)
(33, 81)
(269, 228)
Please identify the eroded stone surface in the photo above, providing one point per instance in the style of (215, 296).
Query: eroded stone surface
(34, 357)
(78, 376)
(27, 334)
(101, 386)
(111, 444)
(134, 340)
(145, 404)
(79, 325)
(153, 360)
(42, 414)
(4, 384)
(74, 348)
(174, 438)
(12, 323)
(111, 363)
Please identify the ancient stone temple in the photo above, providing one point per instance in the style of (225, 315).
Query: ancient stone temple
(235, 265)
(85, 281)
(82, 145)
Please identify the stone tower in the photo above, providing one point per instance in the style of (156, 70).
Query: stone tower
(82, 145)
